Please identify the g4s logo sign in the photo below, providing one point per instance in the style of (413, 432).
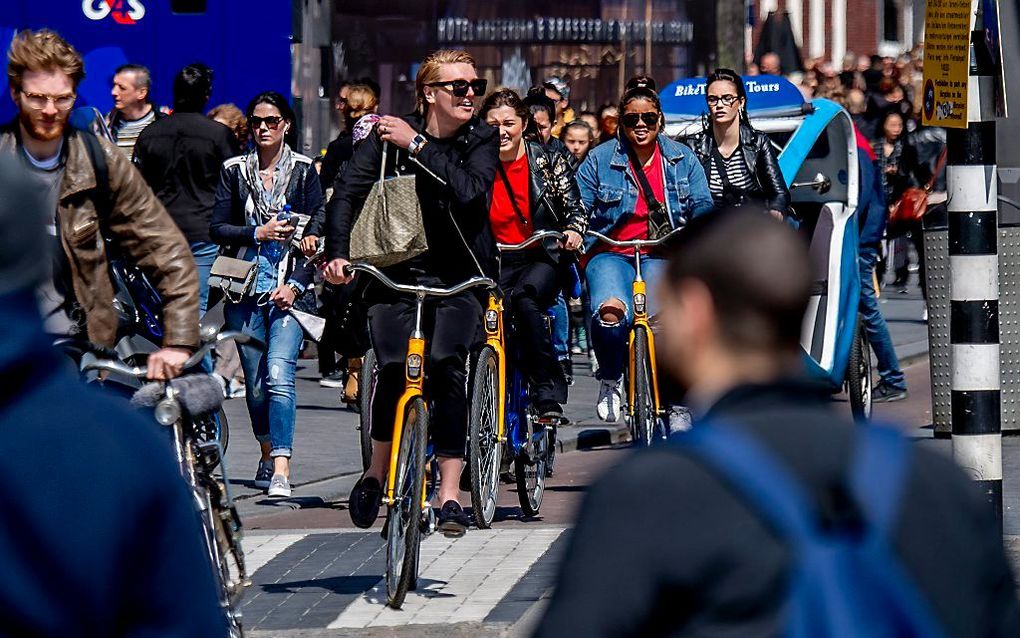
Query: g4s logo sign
(122, 11)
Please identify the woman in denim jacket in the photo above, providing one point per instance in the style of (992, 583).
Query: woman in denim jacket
(614, 198)
(254, 188)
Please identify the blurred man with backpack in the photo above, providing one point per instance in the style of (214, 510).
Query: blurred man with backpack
(776, 515)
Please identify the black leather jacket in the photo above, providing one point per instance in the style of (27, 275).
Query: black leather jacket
(769, 187)
(553, 193)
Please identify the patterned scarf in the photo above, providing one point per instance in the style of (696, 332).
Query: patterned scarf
(268, 202)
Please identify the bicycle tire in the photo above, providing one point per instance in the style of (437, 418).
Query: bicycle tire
(404, 521)
(366, 388)
(644, 403)
(483, 436)
(858, 374)
(530, 472)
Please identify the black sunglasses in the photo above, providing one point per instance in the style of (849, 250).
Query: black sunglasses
(272, 121)
(459, 88)
(630, 120)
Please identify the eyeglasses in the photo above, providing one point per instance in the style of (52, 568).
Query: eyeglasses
(630, 120)
(38, 101)
(727, 100)
(272, 122)
(459, 88)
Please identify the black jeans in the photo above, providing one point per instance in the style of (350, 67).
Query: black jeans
(452, 327)
(530, 281)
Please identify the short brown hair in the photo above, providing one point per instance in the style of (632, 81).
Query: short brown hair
(42, 50)
(361, 100)
(428, 72)
(234, 120)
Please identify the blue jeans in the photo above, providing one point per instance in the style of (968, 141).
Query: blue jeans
(560, 328)
(269, 375)
(611, 275)
(205, 254)
(874, 324)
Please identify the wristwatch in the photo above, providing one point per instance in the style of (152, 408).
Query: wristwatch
(417, 143)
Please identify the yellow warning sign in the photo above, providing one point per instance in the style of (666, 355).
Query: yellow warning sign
(947, 26)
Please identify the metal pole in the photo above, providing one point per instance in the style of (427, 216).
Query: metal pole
(974, 286)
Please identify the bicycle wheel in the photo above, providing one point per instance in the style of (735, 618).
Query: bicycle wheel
(529, 468)
(483, 436)
(858, 375)
(644, 404)
(366, 388)
(404, 522)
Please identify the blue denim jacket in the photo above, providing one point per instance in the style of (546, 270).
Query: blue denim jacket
(609, 192)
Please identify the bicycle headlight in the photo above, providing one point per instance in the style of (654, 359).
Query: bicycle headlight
(639, 303)
(167, 411)
(491, 321)
(413, 366)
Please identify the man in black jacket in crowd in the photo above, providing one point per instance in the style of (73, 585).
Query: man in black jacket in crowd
(100, 536)
(180, 157)
(705, 563)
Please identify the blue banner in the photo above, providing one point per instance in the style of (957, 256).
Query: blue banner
(764, 92)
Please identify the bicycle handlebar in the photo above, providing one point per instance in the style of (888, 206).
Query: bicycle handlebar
(540, 235)
(632, 243)
(427, 291)
(140, 372)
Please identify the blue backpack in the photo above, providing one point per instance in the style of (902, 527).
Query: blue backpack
(842, 584)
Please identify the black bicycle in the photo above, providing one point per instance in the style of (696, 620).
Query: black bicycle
(187, 406)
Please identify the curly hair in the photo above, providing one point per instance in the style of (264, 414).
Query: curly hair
(42, 50)
(234, 119)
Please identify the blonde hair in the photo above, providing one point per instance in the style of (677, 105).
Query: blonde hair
(430, 68)
(42, 50)
(361, 100)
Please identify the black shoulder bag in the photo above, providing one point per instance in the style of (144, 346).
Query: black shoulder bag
(659, 224)
(513, 198)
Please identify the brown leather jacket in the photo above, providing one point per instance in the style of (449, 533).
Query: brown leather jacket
(142, 229)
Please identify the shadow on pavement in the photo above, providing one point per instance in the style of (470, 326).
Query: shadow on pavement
(333, 584)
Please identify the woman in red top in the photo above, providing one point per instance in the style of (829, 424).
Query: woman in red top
(534, 191)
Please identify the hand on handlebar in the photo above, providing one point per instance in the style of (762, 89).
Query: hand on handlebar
(336, 273)
(571, 240)
(309, 244)
(166, 363)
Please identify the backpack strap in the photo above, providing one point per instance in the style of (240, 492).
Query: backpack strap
(877, 476)
(754, 473)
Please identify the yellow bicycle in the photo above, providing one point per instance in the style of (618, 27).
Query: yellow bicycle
(645, 413)
(411, 479)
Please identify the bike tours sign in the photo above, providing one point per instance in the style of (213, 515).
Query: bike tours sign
(947, 28)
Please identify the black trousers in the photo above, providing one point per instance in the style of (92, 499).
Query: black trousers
(531, 282)
(452, 326)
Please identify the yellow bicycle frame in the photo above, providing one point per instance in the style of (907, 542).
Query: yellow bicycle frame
(641, 319)
(413, 387)
(495, 338)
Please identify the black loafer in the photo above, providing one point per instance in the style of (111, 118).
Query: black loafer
(453, 521)
(548, 409)
(365, 501)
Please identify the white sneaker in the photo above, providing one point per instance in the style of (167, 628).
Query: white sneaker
(608, 404)
(679, 419)
(279, 487)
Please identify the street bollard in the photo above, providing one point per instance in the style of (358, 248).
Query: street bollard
(972, 185)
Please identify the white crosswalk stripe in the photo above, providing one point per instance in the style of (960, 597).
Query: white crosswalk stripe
(460, 580)
(262, 548)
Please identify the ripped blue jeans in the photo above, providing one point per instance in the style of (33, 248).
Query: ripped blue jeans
(269, 375)
(611, 275)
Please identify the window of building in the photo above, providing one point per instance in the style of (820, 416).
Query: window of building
(892, 18)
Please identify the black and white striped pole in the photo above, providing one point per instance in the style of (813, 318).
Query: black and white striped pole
(974, 285)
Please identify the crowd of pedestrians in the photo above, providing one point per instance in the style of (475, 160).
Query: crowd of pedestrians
(492, 167)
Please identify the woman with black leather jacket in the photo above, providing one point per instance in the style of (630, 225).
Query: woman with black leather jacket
(534, 191)
(454, 158)
(254, 189)
(739, 161)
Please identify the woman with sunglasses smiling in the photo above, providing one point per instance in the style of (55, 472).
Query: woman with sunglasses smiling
(641, 185)
(254, 188)
(454, 157)
(740, 161)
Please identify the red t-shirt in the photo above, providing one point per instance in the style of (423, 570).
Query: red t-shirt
(506, 224)
(636, 225)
